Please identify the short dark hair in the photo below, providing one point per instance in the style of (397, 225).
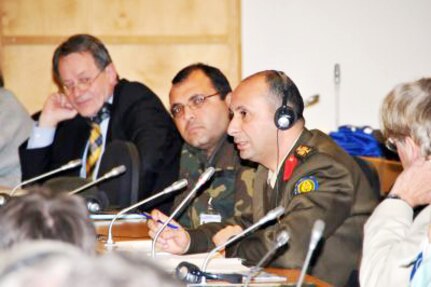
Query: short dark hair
(41, 214)
(217, 78)
(281, 85)
(81, 43)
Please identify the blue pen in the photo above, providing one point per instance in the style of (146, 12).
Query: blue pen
(159, 221)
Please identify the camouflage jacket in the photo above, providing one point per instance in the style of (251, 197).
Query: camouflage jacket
(230, 188)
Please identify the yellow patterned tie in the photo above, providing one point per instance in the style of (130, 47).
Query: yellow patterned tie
(94, 149)
(95, 143)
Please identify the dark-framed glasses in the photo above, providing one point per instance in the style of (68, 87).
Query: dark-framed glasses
(391, 145)
(82, 84)
(194, 102)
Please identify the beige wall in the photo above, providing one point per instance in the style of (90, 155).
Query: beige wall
(149, 40)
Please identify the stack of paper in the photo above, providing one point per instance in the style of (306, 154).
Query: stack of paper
(169, 262)
(217, 264)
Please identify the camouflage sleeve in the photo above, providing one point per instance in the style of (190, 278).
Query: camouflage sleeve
(201, 237)
(244, 191)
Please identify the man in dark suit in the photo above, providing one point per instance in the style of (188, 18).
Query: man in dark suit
(90, 89)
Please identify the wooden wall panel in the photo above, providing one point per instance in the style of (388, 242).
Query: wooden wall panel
(27, 72)
(44, 17)
(149, 40)
(157, 65)
(167, 17)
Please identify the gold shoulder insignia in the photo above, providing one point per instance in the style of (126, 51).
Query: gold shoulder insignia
(303, 151)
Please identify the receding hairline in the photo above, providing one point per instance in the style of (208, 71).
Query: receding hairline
(272, 98)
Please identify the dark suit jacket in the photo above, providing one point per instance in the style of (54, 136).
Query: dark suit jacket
(137, 116)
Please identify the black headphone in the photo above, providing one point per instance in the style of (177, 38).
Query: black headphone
(285, 116)
(190, 273)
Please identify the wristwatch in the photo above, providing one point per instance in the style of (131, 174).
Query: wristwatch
(393, 196)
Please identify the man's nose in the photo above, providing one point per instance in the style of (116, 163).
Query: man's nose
(189, 113)
(233, 127)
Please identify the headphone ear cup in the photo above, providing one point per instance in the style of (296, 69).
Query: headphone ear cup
(188, 272)
(284, 117)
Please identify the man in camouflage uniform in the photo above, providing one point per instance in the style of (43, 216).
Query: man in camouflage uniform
(302, 170)
(198, 104)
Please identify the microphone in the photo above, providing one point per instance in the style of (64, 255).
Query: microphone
(96, 201)
(337, 82)
(190, 273)
(71, 164)
(316, 234)
(93, 206)
(116, 171)
(205, 176)
(4, 198)
(282, 238)
(311, 100)
(173, 187)
(337, 74)
(271, 215)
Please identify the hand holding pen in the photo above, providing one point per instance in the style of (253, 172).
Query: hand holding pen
(172, 240)
(149, 217)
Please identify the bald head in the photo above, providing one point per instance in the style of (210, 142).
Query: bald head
(253, 105)
(279, 85)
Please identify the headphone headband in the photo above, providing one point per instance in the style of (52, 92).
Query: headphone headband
(285, 116)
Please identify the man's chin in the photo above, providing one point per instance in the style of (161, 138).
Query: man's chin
(244, 154)
(87, 113)
(200, 145)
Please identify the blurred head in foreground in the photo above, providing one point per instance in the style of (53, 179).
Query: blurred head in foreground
(41, 214)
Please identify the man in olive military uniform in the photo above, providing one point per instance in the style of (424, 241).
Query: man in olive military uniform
(301, 170)
(198, 100)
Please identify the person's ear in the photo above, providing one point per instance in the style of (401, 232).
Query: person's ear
(228, 98)
(412, 148)
(111, 73)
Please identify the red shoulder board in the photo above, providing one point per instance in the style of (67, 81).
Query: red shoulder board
(289, 165)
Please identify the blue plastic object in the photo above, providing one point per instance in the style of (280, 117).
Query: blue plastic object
(357, 141)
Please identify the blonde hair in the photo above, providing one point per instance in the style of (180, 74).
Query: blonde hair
(406, 112)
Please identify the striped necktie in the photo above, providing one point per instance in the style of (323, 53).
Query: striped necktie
(95, 142)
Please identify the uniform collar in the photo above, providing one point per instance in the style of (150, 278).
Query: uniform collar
(272, 176)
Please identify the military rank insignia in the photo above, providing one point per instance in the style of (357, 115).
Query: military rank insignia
(306, 184)
(303, 151)
(289, 165)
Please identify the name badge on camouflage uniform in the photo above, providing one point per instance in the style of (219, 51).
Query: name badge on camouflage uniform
(211, 215)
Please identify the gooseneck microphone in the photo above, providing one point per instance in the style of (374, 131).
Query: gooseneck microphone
(190, 273)
(316, 234)
(271, 215)
(71, 164)
(116, 171)
(282, 238)
(173, 187)
(205, 176)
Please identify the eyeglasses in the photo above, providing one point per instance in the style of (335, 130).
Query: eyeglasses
(82, 84)
(391, 145)
(193, 103)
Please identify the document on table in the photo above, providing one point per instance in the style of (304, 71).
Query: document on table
(217, 264)
(110, 216)
(169, 261)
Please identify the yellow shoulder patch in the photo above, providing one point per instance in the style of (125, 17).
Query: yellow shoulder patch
(305, 185)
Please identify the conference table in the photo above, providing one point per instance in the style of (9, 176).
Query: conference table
(137, 230)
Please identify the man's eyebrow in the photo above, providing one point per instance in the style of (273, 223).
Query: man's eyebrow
(240, 107)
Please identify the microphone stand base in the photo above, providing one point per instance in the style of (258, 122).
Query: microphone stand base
(109, 245)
